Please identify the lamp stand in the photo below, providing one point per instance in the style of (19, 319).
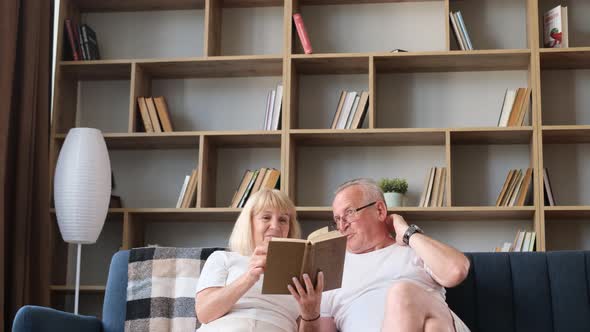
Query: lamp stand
(77, 291)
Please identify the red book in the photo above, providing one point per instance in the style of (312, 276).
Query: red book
(303, 37)
(72, 39)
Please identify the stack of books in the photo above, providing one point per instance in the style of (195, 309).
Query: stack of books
(351, 110)
(434, 188)
(524, 241)
(81, 43)
(252, 181)
(516, 188)
(274, 102)
(515, 107)
(154, 114)
(460, 30)
(188, 192)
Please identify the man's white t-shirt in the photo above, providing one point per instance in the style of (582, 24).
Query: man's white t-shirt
(224, 267)
(359, 305)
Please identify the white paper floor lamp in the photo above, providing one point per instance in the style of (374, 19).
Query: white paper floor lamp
(82, 190)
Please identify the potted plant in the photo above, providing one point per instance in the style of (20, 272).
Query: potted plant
(394, 191)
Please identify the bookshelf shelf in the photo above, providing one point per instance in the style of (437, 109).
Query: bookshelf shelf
(453, 61)
(188, 139)
(185, 215)
(96, 69)
(436, 213)
(567, 212)
(566, 134)
(352, 2)
(565, 58)
(494, 135)
(84, 289)
(219, 66)
(368, 137)
(137, 5)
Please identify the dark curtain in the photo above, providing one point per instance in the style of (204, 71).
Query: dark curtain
(26, 32)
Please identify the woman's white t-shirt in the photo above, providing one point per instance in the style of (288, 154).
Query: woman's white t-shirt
(359, 305)
(224, 267)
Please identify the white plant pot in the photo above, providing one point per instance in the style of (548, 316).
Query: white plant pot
(394, 199)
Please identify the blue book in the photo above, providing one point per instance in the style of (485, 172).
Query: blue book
(464, 29)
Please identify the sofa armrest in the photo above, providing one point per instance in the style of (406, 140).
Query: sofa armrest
(40, 319)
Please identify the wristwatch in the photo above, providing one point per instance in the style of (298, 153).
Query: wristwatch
(410, 231)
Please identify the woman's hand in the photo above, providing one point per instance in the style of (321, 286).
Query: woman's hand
(257, 263)
(309, 298)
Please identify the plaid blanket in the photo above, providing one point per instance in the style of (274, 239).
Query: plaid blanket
(161, 288)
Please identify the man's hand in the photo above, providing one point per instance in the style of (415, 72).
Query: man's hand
(399, 226)
(308, 297)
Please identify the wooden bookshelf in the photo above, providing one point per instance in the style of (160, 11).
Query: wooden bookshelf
(306, 77)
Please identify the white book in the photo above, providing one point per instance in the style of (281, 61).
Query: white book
(519, 241)
(353, 111)
(463, 28)
(458, 36)
(276, 116)
(506, 247)
(532, 243)
(267, 113)
(346, 108)
(509, 98)
(555, 30)
(273, 93)
(527, 241)
(182, 191)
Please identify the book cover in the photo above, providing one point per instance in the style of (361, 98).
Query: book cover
(72, 41)
(145, 116)
(457, 34)
(336, 118)
(163, 113)
(287, 258)
(459, 18)
(302, 32)
(361, 111)
(151, 106)
(555, 28)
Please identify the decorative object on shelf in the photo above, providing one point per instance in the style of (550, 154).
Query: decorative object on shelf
(82, 190)
(394, 191)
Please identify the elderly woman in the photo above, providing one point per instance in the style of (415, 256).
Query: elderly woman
(229, 290)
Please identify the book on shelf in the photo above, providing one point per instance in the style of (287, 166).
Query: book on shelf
(555, 28)
(548, 191)
(524, 241)
(516, 189)
(163, 113)
(188, 191)
(460, 30)
(323, 250)
(302, 33)
(274, 102)
(351, 110)
(155, 115)
(81, 42)
(515, 107)
(433, 193)
(252, 181)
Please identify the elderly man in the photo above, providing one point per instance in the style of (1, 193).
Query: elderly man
(389, 284)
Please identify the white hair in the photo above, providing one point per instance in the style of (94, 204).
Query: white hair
(370, 189)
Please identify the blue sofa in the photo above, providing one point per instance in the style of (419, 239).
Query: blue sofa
(504, 292)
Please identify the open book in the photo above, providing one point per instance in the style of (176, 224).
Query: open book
(287, 258)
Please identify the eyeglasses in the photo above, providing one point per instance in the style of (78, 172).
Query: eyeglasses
(349, 216)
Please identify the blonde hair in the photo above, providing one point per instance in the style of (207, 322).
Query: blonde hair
(370, 189)
(241, 240)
